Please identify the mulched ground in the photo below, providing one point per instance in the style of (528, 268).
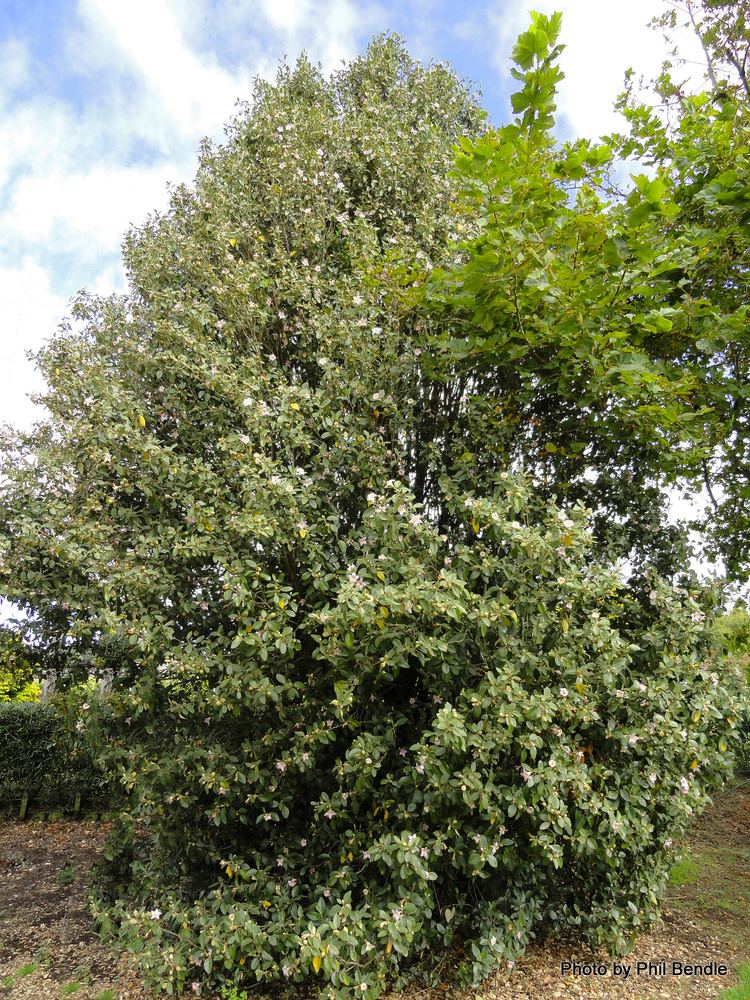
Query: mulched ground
(48, 948)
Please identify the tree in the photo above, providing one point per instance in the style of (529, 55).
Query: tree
(610, 327)
(370, 697)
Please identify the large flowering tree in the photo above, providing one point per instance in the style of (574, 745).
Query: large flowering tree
(368, 698)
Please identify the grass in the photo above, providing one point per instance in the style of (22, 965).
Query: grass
(685, 872)
(742, 990)
(66, 875)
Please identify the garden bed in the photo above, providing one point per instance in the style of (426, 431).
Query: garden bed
(48, 948)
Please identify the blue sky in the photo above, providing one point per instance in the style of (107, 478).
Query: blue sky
(103, 103)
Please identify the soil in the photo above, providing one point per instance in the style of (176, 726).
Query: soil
(49, 949)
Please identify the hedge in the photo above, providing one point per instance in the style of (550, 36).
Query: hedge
(38, 757)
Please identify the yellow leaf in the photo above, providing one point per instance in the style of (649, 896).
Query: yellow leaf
(380, 575)
(294, 406)
(350, 856)
(565, 625)
(316, 962)
(696, 716)
(385, 814)
(282, 604)
(389, 948)
(384, 612)
(493, 821)
(142, 420)
(580, 687)
(723, 746)
(567, 540)
(475, 526)
(265, 903)
(242, 960)
(302, 532)
(693, 765)
(229, 871)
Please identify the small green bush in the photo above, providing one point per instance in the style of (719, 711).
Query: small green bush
(733, 634)
(39, 756)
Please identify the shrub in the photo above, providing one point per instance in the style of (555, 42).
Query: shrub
(39, 756)
(487, 739)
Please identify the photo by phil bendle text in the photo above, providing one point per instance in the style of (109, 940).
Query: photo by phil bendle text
(656, 969)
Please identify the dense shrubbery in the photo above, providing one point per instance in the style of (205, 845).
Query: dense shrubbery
(370, 695)
(39, 756)
(491, 739)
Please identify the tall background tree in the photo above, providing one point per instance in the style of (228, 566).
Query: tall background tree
(609, 326)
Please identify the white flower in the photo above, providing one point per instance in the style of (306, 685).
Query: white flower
(85, 706)
(248, 401)
(684, 786)
(372, 497)
(376, 330)
(80, 726)
(641, 687)
(244, 438)
(564, 692)
(469, 502)
(329, 814)
(633, 739)
(155, 914)
(280, 766)
(619, 693)
(595, 615)
(526, 774)
(668, 843)
(653, 777)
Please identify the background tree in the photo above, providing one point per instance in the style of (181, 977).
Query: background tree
(609, 327)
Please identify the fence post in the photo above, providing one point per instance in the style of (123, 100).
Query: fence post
(77, 804)
(24, 804)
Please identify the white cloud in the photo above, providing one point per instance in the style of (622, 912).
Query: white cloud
(93, 208)
(193, 91)
(31, 312)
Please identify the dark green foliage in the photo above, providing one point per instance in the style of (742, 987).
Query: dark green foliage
(40, 757)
